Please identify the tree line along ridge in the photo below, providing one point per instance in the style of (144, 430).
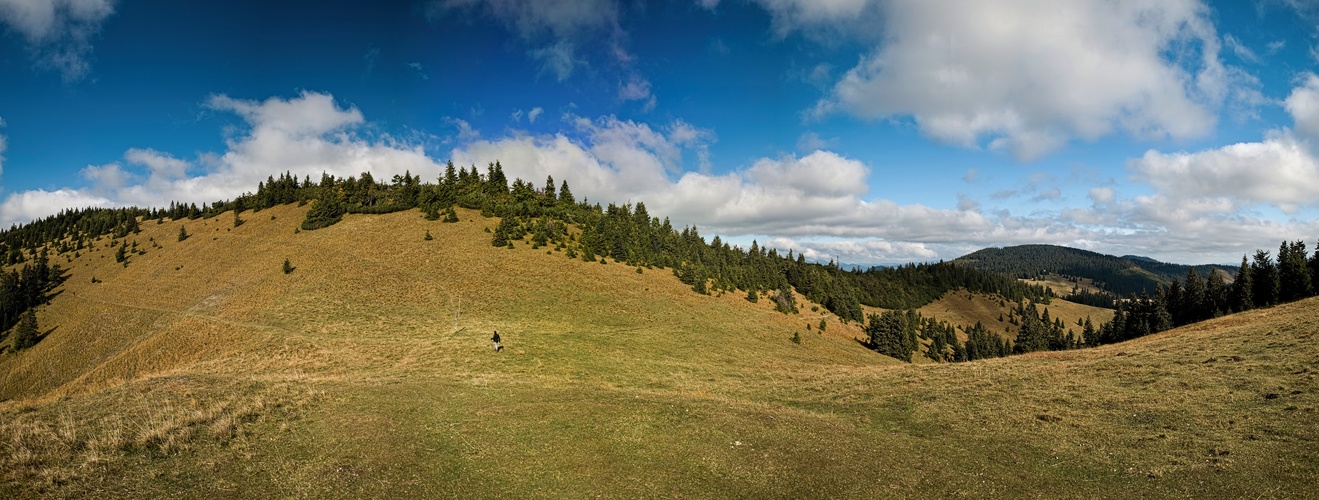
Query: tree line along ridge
(627, 233)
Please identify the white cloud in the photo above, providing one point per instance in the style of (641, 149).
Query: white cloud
(811, 141)
(869, 251)
(806, 15)
(27, 206)
(163, 166)
(106, 178)
(58, 32)
(535, 112)
(1280, 171)
(1029, 77)
(1241, 50)
(559, 59)
(305, 136)
(1102, 195)
(637, 89)
(1303, 105)
(814, 195)
(555, 28)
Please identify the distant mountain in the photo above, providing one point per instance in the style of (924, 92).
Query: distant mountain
(1120, 275)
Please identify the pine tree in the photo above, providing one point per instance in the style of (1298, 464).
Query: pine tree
(428, 235)
(237, 221)
(183, 233)
(288, 267)
(1293, 272)
(26, 336)
(1193, 298)
(565, 195)
(1264, 277)
(450, 215)
(1243, 291)
(1314, 270)
(1216, 293)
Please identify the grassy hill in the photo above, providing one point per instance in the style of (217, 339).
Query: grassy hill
(202, 368)
(1119, 275)
(964, 308)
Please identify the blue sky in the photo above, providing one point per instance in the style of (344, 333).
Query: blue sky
(871, 131)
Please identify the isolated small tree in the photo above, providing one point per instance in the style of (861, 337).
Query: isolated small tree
(784, 300)
(183, 233)
(430, 211)
(237, 221)
(288, 268)
(428, 235)
(822, 324)
(753, 296)
(119, 254)
(450, 215)
(26, 336)
(796, 337)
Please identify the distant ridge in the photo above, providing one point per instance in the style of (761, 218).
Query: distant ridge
(1130, 274)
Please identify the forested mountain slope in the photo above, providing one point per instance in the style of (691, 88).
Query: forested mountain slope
(1118, 275)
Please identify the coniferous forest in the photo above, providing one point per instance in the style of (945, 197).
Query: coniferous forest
(551, 216)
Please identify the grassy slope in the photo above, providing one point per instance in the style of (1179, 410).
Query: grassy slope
(1062, 286)
(965, 308)
(347, 378)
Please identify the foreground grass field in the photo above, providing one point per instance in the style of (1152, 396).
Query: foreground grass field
(201, 368)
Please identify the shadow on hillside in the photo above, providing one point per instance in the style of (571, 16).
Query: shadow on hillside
(42, 336)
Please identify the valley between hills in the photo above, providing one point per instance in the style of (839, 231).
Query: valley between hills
(201, 367)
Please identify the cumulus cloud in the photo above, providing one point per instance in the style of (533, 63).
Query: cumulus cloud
(1027, 78)
(1280, 171)
(1303, 105)
(1102, 195)
(59, 33)
(809, 16)
(613, 160)
(305, 136)
(868, 251)
(27, 206)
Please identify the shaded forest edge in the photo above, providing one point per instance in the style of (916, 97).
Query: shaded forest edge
(629, 234)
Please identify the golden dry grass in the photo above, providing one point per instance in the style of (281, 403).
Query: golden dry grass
(1062, 286)
(201, 368)
(964, 308)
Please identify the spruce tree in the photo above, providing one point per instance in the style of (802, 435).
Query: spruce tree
(183, 233)
(1243, 290)
(1264, 279)
(1193, 298)
(26, 336)
(288, 267)
(1293, 272)
(1215, 293)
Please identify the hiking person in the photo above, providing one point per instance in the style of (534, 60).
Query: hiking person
(496, 341)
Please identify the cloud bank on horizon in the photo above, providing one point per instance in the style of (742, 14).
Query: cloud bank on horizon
(1122, 127)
